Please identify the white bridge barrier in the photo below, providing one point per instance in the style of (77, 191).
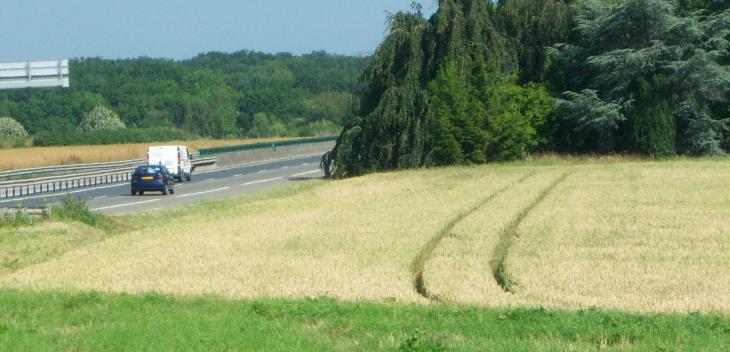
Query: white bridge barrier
(34, 74)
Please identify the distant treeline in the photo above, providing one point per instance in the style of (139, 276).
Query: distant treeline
(211, 95)
(482, 81)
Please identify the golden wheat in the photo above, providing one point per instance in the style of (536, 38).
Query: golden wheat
(21, 158)
(641, 236)
(358, 247)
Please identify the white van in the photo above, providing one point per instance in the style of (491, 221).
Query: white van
(175, 158)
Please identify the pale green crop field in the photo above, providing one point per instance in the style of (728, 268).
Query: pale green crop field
(647, 236)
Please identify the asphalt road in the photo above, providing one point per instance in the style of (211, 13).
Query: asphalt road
(117, 198)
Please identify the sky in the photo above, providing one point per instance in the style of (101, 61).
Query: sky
(181, 29)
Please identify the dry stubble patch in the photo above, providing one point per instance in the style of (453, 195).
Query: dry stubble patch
(459, 270)
(353, 239)
(650, 237)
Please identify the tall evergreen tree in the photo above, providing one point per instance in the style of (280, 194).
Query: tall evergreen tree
(618, 43)
(455, 130)
(652, 129)
(390, 130)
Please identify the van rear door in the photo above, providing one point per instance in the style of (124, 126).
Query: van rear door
(166, 156)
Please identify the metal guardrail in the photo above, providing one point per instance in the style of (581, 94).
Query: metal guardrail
(69, 168)
(20, 188)
(74, 168)
(87, 175)
(273, 145)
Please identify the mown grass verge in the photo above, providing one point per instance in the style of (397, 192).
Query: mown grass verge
(96, 322)
(25, 241)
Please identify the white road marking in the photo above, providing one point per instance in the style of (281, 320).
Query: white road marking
(125, 205)
(261, 181)
(60, 193)
(306, 173)
(101, 197)
(237, 175)
(203, 192)
(285, 167)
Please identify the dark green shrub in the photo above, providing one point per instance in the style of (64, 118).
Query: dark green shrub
(73, 209)
(517, 119)
(129, 135)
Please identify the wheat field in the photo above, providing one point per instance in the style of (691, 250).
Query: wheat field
(630, 235)
(304, 245)
(646, 237)
(21, 158)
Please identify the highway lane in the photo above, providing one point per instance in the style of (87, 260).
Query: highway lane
(116, 198)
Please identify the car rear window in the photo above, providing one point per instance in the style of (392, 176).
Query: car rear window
(148, 170)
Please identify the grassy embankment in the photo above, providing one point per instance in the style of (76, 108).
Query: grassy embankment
(21, 158)
(25, 241)
(95, 322)
(646, 237)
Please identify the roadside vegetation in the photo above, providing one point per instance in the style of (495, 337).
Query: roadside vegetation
(151, 322)
(213, 95)
(485, 81)
(551, 233)
(592, 254)
(26, 240)
(20, 158)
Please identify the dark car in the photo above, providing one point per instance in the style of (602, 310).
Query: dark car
(152, 178)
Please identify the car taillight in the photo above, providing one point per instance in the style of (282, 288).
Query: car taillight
(161, 177)
(135, 178)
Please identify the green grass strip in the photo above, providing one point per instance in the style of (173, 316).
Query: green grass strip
(95, 322)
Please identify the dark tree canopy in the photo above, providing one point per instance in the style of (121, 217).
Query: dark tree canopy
(212, 95)
(652, 70)
(481, 81)
(406, 112)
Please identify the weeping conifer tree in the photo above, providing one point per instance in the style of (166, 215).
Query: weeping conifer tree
(391, 129)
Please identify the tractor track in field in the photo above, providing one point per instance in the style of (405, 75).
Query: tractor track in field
(419, 263)
(501, 250)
